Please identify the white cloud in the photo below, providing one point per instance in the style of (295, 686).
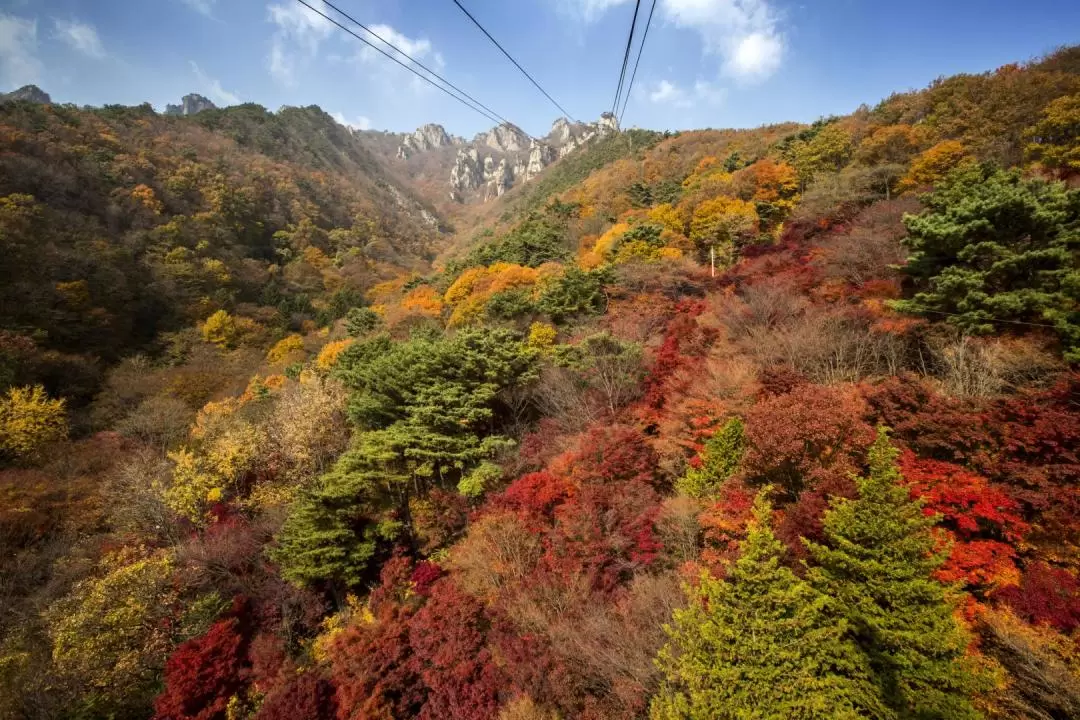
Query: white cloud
(296, 39)
(211, 88)
(419, 48)
(588, 10)
(19, 64)
(666, 92)
(756, 56)
(745, 34)
(361, 122)
(669, 93)
(81, 37)
(204, 7)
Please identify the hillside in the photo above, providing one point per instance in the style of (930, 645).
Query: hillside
(773, 422)
(151, 223)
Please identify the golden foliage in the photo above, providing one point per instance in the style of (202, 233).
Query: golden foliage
(144, 195)
(722, 222)
(287, 349)
(669, 217)
(1055, 140)
(423, 300)
(469, 294)
(934, 164)
(30, 421)
(329, 354)
(110, 631)
(541, 335)
(221, 330)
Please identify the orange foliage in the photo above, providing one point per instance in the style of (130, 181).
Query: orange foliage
(934, 164)
(423, 300)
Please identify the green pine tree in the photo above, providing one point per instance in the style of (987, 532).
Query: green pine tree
(993, 245)
(719, 460)
(334, 529)
(762, 644)
(878, 563)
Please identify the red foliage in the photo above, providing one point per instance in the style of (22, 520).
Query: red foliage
(424, 576)
(595, 508)
(615, 454)
(448, 639)
(805, 517)
(1038, 451)
(268, 659)
(373, 670)
(967, 503)
(980, 564)
(536, 670)
(394, 584)
(534, 497)
(724, 525)
(605, 533)
(664, 366)
(1028, 444)
(539, 446)
(1046, 594)
(801, 438)
(930, 424)
(779, 380)
(305, 696)
(684, 339)
(203, 673)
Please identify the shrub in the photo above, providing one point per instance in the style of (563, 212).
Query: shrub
(29, 422)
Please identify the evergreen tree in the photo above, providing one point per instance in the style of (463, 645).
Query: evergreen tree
(878, 564)
(993, 245)
(719, 460)
(334, 530)
(762, 644)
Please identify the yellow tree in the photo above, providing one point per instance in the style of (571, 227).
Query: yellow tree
(29, 421)
(934, 164)
(111, 632)
(722, 225)
(1055, 140)
(892, 144)
(828, 151)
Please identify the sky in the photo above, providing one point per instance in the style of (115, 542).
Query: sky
(706, 63)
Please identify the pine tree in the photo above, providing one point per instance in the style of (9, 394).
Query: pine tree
(878, 564)
(719, 460)
(762, 644)
(994, 245)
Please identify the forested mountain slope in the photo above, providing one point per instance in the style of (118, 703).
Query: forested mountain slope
(778, 423)
(119, 225)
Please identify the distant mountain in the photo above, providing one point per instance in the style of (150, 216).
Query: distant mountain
(446, 167)
(29, 93)
(190, 105)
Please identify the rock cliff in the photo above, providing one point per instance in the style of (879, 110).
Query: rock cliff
(190, 105)
(29, 93)
(494, 161)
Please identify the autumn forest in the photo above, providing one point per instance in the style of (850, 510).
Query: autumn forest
(778, 423)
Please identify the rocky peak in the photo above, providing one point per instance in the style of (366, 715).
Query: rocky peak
(190, 105)
(608, 123)
(540, 156)
(505, 138)
(561, 131)
(467, 172)
(29, 93)
(424, 138)
(500, 158)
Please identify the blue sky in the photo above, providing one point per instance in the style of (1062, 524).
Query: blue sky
(708, 63)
